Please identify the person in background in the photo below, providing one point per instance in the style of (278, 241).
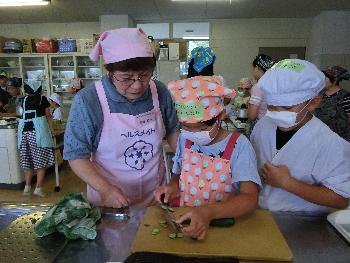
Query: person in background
(202, 64)
(56, 105)
(13, 88)
(334, 109)
(35, 139)
(3, 91)
(75, 86)
(3, 102)
(305, 166)
(115, 129)
(243, 95)
(257, 105)
(214, 170)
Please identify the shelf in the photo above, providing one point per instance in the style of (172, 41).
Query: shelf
(89, 66)
(34, 66)
(10, 67)
(62, 66)
(91, 78)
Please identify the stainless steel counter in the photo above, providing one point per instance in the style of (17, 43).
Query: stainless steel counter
(310, 238)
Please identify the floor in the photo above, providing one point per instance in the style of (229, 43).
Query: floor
(69, 182)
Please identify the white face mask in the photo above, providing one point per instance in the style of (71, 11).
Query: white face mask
(200, 137)
(285, 119)
(240, 93)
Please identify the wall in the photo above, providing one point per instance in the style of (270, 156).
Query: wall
(236, 42)
(54, 30)
(330, 39)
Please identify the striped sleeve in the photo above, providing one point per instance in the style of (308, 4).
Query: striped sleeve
(257, 96)
(346, 104)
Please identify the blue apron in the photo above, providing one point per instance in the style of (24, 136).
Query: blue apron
(43, 136)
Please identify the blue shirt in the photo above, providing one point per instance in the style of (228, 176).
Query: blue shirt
(243, 160)
(84, 126)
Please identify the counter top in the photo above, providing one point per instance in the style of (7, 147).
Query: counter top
(310, 238)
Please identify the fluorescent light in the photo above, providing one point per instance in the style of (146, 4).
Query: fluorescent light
(7, 3)
(195, 37)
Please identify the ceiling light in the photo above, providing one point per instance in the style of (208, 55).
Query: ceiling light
(6, 3)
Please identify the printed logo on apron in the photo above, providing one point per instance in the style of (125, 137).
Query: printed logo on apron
(138, 154)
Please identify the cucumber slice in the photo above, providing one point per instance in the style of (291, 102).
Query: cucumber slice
(172, 235)
(155, 231)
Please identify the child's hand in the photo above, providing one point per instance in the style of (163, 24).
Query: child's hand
(277, 176)
(169, 192)
(199, 225)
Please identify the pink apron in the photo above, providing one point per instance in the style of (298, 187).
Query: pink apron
(129, 154)
(205, 180)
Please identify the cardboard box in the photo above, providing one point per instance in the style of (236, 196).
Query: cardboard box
(174, 51)
(84, 45)
(182, 47)
(164, 53)
(95, 38)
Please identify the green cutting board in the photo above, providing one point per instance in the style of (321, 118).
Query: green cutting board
(255, 237)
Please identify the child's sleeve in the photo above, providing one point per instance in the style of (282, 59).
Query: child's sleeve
(178, 157)
(332, 167)
(244, 164)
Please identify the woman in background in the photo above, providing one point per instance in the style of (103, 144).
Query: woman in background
(35, 139)
(334, 109)
(257, 105)
(202, 64)
(13, 88)
(244, 87)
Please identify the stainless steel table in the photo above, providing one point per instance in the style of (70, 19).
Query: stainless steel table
(311, 238)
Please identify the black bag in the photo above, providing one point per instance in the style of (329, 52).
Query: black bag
(13, 45)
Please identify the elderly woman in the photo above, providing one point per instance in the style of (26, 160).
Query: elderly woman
(116, 126)
(334, 109)
(244, 86)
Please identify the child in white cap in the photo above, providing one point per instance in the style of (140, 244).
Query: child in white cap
(56, 104)
(305, 166)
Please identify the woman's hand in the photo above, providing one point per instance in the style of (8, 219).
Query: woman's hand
(114, 197)
(199, 225)
(169, 192)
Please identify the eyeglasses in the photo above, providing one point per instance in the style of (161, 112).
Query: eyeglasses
(129, 81)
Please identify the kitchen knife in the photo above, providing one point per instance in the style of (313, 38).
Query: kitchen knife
(170, 216)
(121, 214)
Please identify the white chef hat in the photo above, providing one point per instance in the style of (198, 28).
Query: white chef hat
(56, 98)
(291, 81)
